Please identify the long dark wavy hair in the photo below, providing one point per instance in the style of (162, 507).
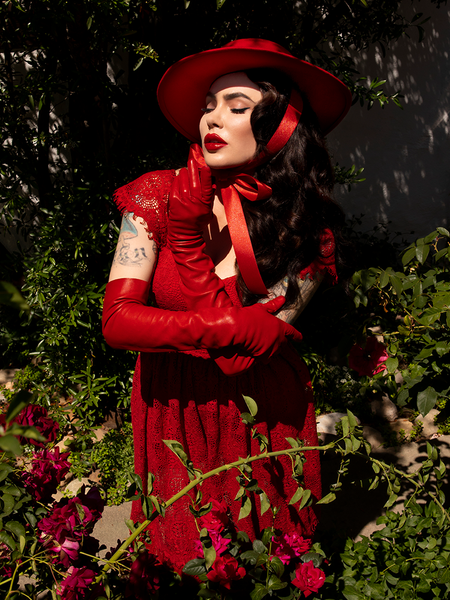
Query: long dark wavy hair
(285, 229)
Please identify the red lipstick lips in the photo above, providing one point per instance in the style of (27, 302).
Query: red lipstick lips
(213, 142)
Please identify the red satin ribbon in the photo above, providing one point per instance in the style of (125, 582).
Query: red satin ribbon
(232, 184)
(230, 193)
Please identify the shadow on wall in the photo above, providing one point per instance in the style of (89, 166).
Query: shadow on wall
(405, 153)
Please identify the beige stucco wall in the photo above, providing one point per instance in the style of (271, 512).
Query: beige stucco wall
(405, 153)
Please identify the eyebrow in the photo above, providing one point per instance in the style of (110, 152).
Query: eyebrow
(231, 96)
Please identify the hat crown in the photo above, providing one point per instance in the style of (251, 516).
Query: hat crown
(257, 44)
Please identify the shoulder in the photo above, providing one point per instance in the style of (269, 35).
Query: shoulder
(147, 197)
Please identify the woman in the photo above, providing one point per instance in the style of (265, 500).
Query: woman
(250, 219)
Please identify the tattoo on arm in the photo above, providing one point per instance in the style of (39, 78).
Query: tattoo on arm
(127, 255)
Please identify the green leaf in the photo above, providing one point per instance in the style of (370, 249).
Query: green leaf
(259, 547)
(5, 470)
(27, 431)
(204, 510)
(327, 499)
(391, 500)
(245, 508)
(422, 253)
(392, 364)
(247, 419)
(297, 495)
(209, 553)
(292, 442)
(8, 504)
(9, 443)
(396, 284)
(443, 231)
(150, 480)
(426, 400)
(305, 499)
(10, 296)
(259, 592)
(345, 426)
(352, 420)
(8, 540)
(351, 593)
(251, 405)
(265, 502)
(15, 527)
(177, 449)
(147, 506)
(408, 255)
(19, 402)
(195, 567)
(277, 566)
(276, 584)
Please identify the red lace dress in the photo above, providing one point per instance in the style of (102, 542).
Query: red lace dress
(184, 396)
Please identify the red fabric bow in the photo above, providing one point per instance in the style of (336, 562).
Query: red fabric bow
(232, 184)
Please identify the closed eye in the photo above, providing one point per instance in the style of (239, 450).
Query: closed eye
(239, 111)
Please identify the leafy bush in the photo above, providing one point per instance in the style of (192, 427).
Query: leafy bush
(407, 558)
(411, 308)
(112, 456)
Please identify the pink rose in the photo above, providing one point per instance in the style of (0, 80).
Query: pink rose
(308, 579)
(225, 568)
(74, 586)
(370, 359)
(216, 519)
(38, 417)
(48, 469)
(220, 544)
(68, 523)
(290, 546)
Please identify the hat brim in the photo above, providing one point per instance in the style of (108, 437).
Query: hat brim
(183, 88)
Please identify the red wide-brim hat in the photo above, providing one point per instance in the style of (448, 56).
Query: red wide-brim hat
(183, 88)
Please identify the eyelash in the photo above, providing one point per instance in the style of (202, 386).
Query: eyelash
(235, 111)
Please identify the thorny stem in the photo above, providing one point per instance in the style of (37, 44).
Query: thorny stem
(234, 465)
(237, 464)
(410, 478)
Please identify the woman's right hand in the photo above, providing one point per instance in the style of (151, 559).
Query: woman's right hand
(191, 199)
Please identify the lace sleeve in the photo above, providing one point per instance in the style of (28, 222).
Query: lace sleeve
(147, 197)
(324, 263)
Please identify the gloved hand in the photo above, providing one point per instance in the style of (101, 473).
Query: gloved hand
(129, 324)
(189, 211)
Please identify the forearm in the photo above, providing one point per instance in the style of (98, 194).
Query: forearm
(307, 286)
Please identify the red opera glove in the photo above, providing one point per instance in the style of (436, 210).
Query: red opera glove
(131, 325)
(190, 209)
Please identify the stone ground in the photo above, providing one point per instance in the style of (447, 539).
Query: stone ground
(355, 511)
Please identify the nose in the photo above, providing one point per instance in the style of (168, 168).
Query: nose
(214, 119)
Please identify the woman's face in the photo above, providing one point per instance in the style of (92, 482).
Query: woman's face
(225, 130)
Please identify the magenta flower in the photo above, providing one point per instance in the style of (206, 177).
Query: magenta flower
(6, 570)
(370, 359)
(144, 577)
(216, 519)
(38, 417)
(289, 546)
(68, 522)
(308, 579)
(225, 569)
(48, 469)
(74, 586)
(220, 544)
